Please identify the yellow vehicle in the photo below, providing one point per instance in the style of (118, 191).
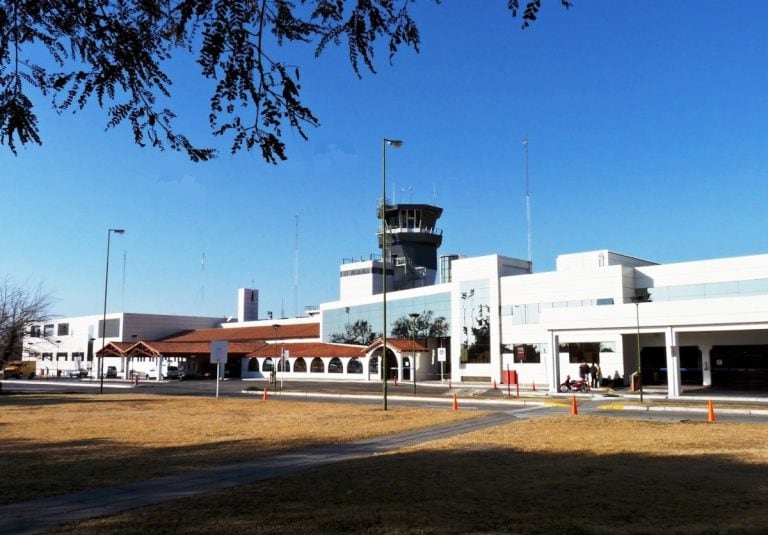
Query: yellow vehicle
(20, 369)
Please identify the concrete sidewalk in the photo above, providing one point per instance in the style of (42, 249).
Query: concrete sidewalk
(47, 513)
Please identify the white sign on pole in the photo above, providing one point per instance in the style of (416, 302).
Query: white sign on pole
(219, 350)
(441, 354)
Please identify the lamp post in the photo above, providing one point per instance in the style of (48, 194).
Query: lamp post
(637, 299)
(396, 143)
(276, 327)
(104, 319)
(415, 318)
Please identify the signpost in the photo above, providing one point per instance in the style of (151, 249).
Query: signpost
(284, 354)
(219, 350)
(441, 360)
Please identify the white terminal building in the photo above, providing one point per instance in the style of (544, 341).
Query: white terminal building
(700, 323)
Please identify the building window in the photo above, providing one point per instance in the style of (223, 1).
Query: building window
(112, 330)
(253, 365)
(355, 366)
(48, 330)
(579, 352)
(526, 353)
(34, 331)
(62, 329)
(61, 356)
(335, 366)
(317, 365)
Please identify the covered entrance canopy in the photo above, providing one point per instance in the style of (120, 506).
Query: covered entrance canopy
(403, 356)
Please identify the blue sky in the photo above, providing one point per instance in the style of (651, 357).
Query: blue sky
(647, 136)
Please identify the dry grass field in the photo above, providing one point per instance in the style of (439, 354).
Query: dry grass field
(568, 474)
(52, 444)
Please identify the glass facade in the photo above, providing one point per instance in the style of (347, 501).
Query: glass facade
(335, 321)
(476, 322)
(709, 289)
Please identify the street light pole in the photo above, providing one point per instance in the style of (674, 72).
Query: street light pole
(637, 299)
(396, 143)
(276, 327)
(104, 319)
(415, 317)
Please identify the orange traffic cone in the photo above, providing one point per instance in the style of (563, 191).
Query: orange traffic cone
(710, 412)
(494, 385)
(266, 395)
(455, 403)
(574, 407)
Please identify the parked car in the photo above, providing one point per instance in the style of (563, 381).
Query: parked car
(185, 374)
(111, 372)
(172, 373)
(78, 374)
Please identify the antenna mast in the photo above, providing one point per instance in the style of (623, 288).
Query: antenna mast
(202, 283)
(527, 198)
(296, 270)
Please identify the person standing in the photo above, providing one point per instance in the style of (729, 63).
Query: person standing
(583, 371)
(595, 373)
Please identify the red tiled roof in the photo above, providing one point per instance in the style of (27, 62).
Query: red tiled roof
(401, 344)
(117, 348)
(260, 332)
(309, 349)
(189, 348)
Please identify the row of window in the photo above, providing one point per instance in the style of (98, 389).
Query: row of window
(709, 289)
(63, 357)
(527, 314)
(577, 351)
(300, 365)
(49, 329)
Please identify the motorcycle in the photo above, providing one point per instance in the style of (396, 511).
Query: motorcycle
(571, 385)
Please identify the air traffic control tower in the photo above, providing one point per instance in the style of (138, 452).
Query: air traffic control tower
(413, 240)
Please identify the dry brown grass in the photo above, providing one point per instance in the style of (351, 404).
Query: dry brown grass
(567, 474)
(53, 444)
(572, 474)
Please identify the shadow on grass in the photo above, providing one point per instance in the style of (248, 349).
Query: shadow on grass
(35, 469)
(479, 490)
(40, 399)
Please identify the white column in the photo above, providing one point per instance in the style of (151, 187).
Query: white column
(706, 364)
(551, 362)
(673, 363)
(159, 367)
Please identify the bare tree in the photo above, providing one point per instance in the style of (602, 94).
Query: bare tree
(116, 53)
(359, 332)
(19, 309)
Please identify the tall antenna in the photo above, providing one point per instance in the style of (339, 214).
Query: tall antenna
(527, 198)
(296, 270)
(122, 291)
(202, 285)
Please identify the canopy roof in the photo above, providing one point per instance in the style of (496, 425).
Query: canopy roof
(260, 332)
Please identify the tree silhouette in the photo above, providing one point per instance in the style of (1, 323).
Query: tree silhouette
(117, 52)
(19, 309)
(359, 332)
